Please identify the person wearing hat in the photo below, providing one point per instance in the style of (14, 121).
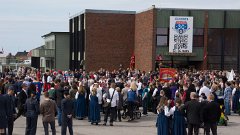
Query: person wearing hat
(11, 106)
(32, 110)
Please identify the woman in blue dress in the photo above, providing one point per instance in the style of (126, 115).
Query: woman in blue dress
(80, 110)
(163, 117)
(235, 99)
(94, 107)
(179, 122)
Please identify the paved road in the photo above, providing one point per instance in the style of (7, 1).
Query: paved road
(143, 126)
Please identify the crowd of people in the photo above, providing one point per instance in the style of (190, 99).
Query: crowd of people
(188, 101)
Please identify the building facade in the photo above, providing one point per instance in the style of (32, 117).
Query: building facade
(54, 54)
(106, 39)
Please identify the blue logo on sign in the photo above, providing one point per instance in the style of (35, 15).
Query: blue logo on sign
(181, 26)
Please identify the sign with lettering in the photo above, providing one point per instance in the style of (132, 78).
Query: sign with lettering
(181, 34)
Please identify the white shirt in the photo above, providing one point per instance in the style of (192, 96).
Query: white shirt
(115, 97)
(154, 92)
(49, 79)
(205, 90)
(234, 90)
(99, 95)
(166, 111)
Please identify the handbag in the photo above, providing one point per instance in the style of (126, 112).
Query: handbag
(108, 104)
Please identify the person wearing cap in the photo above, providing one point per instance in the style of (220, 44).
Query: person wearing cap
(67, 106)
(11, 106)
(32, 110)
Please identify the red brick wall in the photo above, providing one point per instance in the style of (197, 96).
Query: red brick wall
(109, 40)
(145, 38)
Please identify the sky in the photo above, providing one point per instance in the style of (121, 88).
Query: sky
(23, 22)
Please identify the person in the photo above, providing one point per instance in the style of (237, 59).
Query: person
(67, 107)
(38, 86)
(227, 98)
(80, 111)
(3, 114)
(52, 92)
(11, 106)
(205, 89)
(112, 99)
(22, 97)
(32, 110)
(48, 109)
(191, 88)
(144, 99)
(94, 107)
(235, 99)
(211, 115)
(131, 99)
(155, 96)
(120, 104)
(58, 97)
(192, 109)
(162, 123)
(179, 122)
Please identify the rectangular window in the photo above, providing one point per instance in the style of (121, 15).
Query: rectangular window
(73, 25)
(198, 32)
(162, 40)
(162, 31)
(79, 57)
(198, 41)
(72, 55)
(79, 23)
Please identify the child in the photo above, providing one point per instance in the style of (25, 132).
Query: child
(162, 119)
(94, 107)
(178, 119)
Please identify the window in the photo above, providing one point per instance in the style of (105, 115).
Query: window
(79, 57)
(162, 40)
(73, 25)
(79, 23)
(162, 31)
(72, 55)
(198, 32)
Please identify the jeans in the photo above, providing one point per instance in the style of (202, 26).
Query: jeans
(109, 110)
(119, 115)
(191, 127)
(31, 126)
(213, 128)
(59, 110)
(52, 125)
(144, 104)
(67, 122)
(227, 107)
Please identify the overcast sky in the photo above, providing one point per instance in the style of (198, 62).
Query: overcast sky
(23, 22)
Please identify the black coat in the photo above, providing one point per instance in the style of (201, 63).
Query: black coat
(11, 105)
(191, 88)
(22, 97)
(3, 111)
(211, 113)
(67, 106)
(192, 109)
(59, 96)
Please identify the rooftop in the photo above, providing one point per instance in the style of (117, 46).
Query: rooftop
(54, 33)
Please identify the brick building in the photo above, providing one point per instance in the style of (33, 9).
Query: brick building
(103, 38)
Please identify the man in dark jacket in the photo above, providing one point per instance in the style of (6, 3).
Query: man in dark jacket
(22, 97)
(191, 88)
(192, 109)
(67, 106)
(211, 115)
(11, 106)
(3, 114)
(58, 97)
(32, 110)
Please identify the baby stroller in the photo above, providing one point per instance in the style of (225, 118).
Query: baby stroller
(136, 113)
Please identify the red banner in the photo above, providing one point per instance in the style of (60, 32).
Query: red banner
(166, 74)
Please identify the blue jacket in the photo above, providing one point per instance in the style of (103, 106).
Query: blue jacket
(131, 96)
